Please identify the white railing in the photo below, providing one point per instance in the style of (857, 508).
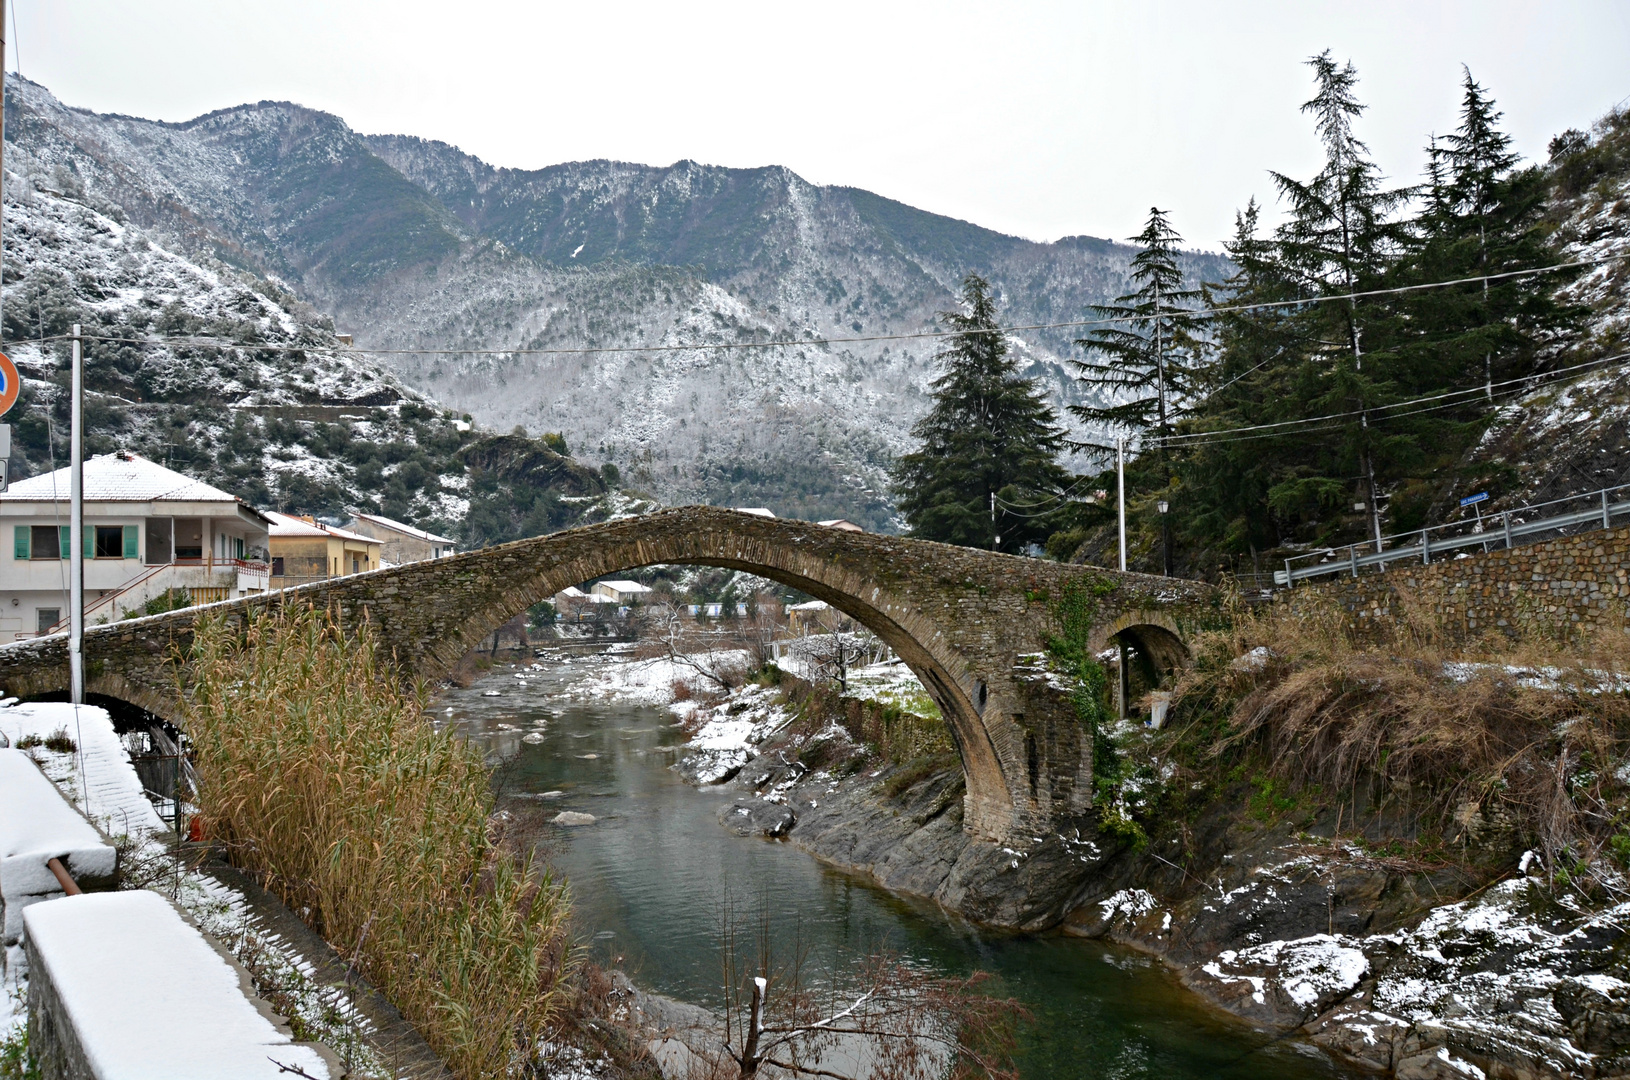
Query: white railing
(1596, 509)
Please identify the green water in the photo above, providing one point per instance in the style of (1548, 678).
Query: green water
(650, 878)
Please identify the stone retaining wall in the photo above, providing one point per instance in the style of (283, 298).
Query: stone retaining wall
(1564, 587)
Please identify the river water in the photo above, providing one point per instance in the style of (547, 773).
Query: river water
(650, 877)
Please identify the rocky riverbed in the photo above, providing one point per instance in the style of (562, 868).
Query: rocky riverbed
(1417, 969)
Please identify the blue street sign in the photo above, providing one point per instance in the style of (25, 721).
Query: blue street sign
(1479, 497)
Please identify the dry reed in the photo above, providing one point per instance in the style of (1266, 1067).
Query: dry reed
(1530, 729)
(321, 775)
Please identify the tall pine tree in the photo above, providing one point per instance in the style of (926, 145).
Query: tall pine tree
(1144, 362)
(1340, 239)
(988, 433)
(1482, 215)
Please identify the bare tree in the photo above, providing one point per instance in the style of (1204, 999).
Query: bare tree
(666, 630)
(882, 1019)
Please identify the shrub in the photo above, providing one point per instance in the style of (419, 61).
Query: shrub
(321, 775)
(60, 741)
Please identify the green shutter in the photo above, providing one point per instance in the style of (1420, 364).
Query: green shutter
(64, 538)
(88, 537)
(132, 550)
(20, 550)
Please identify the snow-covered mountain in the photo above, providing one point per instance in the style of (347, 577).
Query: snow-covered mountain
(411, 244)
(279, 413)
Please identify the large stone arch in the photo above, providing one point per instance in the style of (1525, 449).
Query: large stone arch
(917, 639)
(964, 620)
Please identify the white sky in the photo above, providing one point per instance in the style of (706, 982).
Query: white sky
(1041, 119)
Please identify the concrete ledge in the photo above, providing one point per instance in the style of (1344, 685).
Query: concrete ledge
(37, 825)
(122, 988)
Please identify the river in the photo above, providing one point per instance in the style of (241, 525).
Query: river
(651, 875)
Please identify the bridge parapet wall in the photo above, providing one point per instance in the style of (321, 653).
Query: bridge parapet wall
(1570, 585)
(960, 617)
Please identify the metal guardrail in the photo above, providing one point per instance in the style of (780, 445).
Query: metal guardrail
(1503, 530)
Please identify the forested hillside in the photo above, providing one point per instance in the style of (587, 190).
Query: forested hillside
(1329, 391)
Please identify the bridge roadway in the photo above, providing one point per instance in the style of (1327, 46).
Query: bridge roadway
(960, 617)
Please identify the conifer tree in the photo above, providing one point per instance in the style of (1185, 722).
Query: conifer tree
(1149, 352)
(988, 433)
(1340, 239)
(1252, 379)
(1482, 215)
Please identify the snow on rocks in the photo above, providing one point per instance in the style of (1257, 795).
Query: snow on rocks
(96, 776)
(1309, 974)
(727, 734)
(1511, 982)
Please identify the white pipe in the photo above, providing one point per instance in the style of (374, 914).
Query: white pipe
(1120, 483)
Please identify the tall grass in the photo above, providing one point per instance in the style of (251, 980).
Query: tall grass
(1530, 729)
(319, 773)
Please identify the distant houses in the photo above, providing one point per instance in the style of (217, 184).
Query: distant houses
(151, 535)
(305, 550)
(400, 543)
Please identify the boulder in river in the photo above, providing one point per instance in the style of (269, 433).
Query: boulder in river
(572, 817)
(758, 817)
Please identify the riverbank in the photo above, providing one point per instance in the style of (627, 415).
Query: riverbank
(653, 872)
(1266, 907)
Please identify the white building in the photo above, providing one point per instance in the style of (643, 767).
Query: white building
(623, 592)
(147, 530)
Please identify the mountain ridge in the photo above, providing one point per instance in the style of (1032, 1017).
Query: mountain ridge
(412, 244)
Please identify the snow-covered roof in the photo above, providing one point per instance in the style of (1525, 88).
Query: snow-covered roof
(756, 511)
(406, 530)
(626, 586)
(572, 592)
(289, 525)
(812, 605)
(119, 478)
(841, 523)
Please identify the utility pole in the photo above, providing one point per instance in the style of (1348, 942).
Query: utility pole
(76, 528)
(2, 134)
(995, 537)
(1120, 485)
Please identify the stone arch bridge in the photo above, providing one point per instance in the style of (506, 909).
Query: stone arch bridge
(962, 619)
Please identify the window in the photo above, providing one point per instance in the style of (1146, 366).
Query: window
(47, 617)
(110, 542)
(277, 566)
(356, 564)
(48, 542)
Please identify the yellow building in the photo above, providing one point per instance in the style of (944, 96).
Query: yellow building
(304, 550)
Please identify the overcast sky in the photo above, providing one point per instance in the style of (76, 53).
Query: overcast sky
(1039, 119)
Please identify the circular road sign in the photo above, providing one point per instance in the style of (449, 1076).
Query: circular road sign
(10, 384)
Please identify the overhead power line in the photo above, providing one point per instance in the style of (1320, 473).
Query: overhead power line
(1382, 411)
(922, 335)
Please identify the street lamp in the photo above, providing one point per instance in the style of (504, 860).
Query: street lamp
(1165, 536)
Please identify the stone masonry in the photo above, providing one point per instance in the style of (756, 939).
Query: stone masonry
(960, 617)
(1563, 587)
